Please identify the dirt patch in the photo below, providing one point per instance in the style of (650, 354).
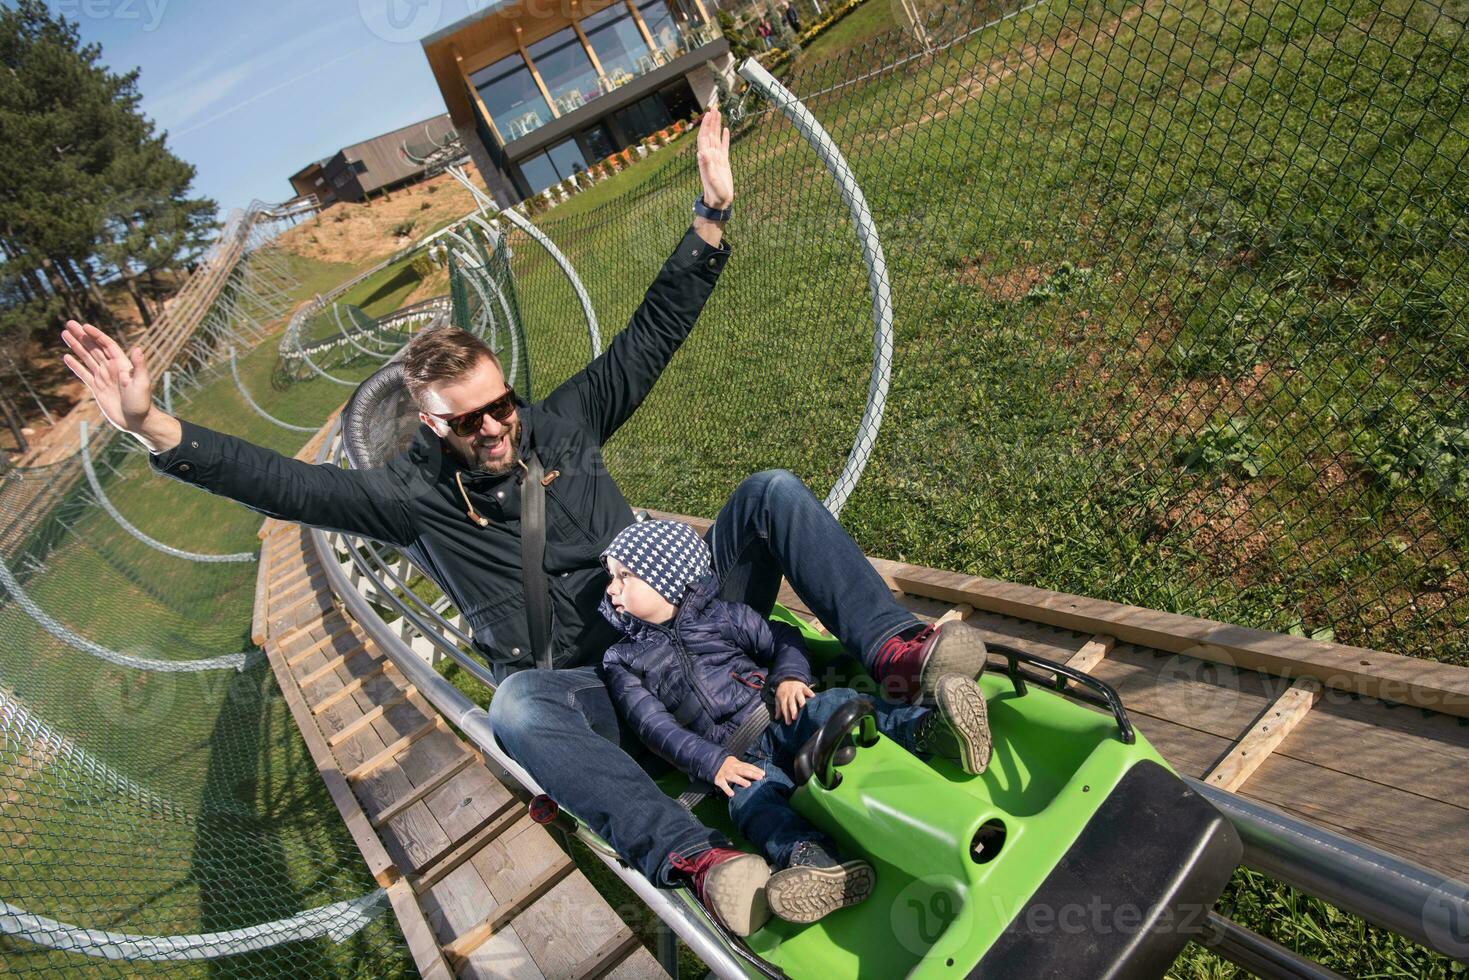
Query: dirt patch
(364, 233)
(1222, 523)
(1009, 286)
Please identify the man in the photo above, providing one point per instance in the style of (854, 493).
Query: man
(451, 503)
(792, 18)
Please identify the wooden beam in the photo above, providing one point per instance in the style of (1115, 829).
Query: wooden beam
(299, 655)
(1265, 735)
(955, 615)
(458, 951)
(367, 766)
(607, 957)
(1091, 653)
(338, 661)
(416, 930)
(505, 815)
(351, 687)
(478, 102)
(259, 615)
(371, 716)
(387, 813)
(535, 74)
(1386, 676)
(642, 28)
(382, 868)
(576, 15)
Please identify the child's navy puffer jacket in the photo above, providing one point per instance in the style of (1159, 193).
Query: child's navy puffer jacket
(686, 685)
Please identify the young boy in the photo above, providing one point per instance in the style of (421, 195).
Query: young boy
(692, 668)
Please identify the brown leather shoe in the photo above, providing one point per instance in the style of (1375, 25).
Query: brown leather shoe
(805, 893)
(908, 670)
(958, 726)
(731, 885)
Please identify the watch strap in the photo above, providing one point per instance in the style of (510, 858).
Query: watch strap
(713, 214)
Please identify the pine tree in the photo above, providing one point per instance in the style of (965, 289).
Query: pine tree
(88, 189)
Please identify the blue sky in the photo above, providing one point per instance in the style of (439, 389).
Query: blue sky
(251, 91)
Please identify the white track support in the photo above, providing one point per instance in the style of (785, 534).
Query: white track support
(594, 335)
(235, 370)
(877, 273)
(235, 661)
(154, 543)
(312, 365)
(339, 921)
(337, 316)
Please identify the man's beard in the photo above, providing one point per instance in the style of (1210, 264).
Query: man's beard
(496, 467)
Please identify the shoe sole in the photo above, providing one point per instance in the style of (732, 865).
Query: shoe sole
(957, 649)
(960, 701)
(805, 894)
(735, 893)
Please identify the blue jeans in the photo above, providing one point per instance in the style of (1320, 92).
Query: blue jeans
(762, 811)
(563, 728)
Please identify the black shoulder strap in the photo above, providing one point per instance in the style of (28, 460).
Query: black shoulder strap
(533, 560)
(738, 744)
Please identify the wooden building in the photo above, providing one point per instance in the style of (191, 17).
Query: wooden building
(539, 91)
(360, 170)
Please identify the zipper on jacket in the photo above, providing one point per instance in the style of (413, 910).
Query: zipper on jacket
(686, 661)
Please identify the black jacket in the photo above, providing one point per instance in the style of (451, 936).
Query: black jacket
(412, 502)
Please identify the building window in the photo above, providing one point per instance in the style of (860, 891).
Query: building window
(566, 70)
(643, 117)
(662, 26)
(552, 166)
(614, 35)
(510, 94)
(599, 142)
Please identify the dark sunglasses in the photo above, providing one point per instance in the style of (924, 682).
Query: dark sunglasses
(468, 423)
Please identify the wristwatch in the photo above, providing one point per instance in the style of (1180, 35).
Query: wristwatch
(713, 214)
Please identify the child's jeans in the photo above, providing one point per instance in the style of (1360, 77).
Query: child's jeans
(762, 811)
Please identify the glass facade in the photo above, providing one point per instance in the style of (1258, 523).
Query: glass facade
(661, 25)
(552, 166)
(614, 35)
(566, 70)
(511, 96)
(517, 106)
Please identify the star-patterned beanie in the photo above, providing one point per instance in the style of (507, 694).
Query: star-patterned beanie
(668, 555)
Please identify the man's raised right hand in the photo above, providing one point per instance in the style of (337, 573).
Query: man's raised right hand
(120, 383)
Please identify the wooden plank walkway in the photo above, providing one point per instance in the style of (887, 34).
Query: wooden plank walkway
(478, 888)
(1374, 746)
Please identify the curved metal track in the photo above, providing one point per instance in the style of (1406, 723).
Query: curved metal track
(235, 370)
(232, 661)
(122, 522)
(877, 274)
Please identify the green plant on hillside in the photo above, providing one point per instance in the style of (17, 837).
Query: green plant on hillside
(1229, 446)
(1418, 450)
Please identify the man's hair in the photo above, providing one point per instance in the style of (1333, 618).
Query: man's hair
(439, 355)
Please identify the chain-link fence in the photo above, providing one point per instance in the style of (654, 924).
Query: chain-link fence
(159, 813)
(1178, 295)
